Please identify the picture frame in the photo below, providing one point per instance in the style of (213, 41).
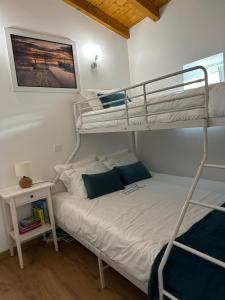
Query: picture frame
(42, 63)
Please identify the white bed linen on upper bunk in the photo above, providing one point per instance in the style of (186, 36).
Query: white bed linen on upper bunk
(106, 117)
(132, 228)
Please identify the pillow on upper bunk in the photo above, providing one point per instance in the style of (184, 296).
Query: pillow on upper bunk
(63, 167)
(95, 104)
(117, 99)
(101, 184)
(72, 178)
(133, 173)
(91, 93)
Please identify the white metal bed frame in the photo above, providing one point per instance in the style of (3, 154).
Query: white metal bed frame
(205, 122)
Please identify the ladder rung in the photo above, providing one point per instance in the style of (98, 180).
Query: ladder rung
(200, 254)
(208, 205)
(170, 296)
(214, 166)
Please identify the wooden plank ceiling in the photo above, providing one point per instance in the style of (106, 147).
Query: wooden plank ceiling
(119, 15)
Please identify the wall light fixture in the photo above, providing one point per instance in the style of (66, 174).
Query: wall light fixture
(93, 53)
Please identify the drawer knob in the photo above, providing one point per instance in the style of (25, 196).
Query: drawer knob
(31, 196)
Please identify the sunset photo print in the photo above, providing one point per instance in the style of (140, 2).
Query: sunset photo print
(42, 63)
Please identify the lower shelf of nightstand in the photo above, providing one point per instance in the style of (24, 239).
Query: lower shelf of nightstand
(32, 233)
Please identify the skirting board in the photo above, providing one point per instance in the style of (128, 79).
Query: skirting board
(142, 286)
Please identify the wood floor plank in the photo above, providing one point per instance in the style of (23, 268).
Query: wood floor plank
(70, 274)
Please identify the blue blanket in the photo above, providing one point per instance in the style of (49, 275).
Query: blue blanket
(189, 277)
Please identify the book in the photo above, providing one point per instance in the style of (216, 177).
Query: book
(26, 222)
(23, 230)
(39, 213)
(42, 204)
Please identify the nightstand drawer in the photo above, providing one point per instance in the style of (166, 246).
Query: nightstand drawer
(31, 196)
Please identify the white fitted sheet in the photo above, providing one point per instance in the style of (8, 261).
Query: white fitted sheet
(132, 228)
(107, 117)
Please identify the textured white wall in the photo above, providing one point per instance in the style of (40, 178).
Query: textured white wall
(30, 123)
(188, 30)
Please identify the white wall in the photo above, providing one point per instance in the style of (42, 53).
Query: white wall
(30, 123)
(188, 30)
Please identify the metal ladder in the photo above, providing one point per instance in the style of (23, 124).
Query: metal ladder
(189, 201)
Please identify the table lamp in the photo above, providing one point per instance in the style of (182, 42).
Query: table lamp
(23, 170)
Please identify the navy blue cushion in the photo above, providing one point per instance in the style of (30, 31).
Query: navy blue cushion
(108, 98)
(103, 183)
(132, 173)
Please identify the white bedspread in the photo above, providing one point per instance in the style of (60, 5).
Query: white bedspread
(107, 117)
(132, 228)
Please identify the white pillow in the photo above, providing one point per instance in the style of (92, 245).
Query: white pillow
(91, 93)
(63, 167)
(114, 155)
(73, 181)
(65, 177)
(122, 160)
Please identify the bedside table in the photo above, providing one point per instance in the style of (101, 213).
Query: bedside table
(14, 197)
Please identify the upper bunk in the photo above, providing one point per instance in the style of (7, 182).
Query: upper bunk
(160, 103)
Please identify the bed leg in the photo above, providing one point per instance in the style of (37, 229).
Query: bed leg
(101, 273)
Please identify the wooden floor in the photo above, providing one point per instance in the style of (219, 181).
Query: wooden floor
(72, 273)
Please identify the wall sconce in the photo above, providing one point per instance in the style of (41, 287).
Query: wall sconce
(94, 64)
(93, 53)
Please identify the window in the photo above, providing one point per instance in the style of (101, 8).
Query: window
(213, 64)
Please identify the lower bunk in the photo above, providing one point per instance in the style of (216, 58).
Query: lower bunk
(128, 229)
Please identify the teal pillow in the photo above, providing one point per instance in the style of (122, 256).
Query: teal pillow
(108, 98)
(103, 183)
(132, 173)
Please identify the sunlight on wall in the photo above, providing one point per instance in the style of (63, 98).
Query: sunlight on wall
(13, 125)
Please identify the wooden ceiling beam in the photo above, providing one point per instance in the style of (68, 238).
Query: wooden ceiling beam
(147, 8)
(99, 16)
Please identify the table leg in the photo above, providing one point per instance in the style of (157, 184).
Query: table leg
(7, 222)
(16, 232)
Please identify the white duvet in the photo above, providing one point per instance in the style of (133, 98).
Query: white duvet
(132, 228)
(107, 117)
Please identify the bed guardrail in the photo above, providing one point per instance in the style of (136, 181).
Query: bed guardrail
(144, 91)
(145, 87)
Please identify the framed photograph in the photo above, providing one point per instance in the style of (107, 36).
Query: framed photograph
(42, 63)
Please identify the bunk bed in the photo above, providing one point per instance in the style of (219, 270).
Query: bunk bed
(147, 108)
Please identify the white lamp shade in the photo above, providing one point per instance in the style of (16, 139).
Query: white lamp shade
(23, 168)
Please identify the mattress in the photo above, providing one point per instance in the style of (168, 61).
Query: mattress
(187, 109)
(131, 228)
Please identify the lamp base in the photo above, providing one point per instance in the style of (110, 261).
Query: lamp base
(25, 182)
